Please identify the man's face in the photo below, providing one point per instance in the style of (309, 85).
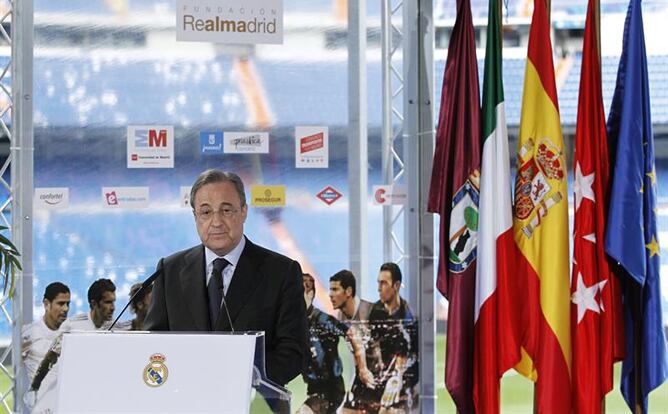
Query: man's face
(338, 295)
(308, 283)
(55, 311)
(106, 306)
(217, 232)
(387, 291)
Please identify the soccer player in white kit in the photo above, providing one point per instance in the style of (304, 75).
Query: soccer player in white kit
(38, 338)
(102, 299)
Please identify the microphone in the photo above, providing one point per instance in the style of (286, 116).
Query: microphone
(227, 312)
(148, 282)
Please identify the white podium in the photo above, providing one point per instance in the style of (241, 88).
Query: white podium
(142, 372)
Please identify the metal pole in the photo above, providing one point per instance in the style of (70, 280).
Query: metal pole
(387, 133)
(357, 142)
(418, 149)
(21, 146)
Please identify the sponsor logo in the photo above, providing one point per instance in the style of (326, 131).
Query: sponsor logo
(386, 195)
(111, 198)
(51, 198)
(150, 146)
(238, 21)
(311, 147)
(329, 195)
(268, 195)
(155, 373)
(211, 142)
(246, 142)
(150, 137)
(312, 143)
(125, 197)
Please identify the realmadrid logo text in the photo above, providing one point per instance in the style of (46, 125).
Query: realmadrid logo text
(156, 372)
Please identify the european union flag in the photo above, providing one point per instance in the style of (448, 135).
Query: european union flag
(631, 233)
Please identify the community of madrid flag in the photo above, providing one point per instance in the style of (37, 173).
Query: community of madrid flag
(497, 335)
(540, 227)
(596, 312)
(631, 233)
(454, 194)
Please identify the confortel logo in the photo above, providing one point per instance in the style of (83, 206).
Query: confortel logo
(52, 199)
(329, 195)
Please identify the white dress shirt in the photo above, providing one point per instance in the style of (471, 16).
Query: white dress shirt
(232, 257)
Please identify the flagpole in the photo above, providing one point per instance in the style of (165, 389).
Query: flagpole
(637, 357)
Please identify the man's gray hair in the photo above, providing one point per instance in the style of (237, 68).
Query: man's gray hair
(217, 176)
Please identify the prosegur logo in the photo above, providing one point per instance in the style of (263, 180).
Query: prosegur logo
(268, 195)
(211, 142)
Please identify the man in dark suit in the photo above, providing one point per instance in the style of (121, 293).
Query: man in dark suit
(262, 289)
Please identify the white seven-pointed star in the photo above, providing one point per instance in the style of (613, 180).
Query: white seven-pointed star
(590, 237)
(582, 186)
(585, 297)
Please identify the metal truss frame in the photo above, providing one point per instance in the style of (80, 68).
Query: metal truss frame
(17, 188)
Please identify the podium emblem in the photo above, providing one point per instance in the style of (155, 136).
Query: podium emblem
(156, 372)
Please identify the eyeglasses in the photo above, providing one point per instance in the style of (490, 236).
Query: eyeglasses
(206, 214)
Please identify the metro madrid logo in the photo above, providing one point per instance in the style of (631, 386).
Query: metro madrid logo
(211, 142)
(150, 146)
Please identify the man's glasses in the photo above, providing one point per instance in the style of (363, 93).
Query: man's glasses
(206, 214)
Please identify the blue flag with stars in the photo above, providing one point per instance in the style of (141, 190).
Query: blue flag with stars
(631, 233)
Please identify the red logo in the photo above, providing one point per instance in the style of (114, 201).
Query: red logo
(112, 200)
(380, 196)
(134, 157)
(312, 142)
(329, 195)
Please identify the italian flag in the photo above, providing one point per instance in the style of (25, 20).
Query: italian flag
(497, 335)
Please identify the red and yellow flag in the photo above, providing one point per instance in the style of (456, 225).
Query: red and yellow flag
(540, 228)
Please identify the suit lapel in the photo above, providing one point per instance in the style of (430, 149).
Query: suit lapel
(246, 279)
(193, 283)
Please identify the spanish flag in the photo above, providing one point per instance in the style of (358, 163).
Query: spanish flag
(540, 228)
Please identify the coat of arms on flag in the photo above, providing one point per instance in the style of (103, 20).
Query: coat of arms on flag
(464, 224)
(533, 191)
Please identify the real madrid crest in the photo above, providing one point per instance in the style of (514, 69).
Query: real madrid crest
(156, 372)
